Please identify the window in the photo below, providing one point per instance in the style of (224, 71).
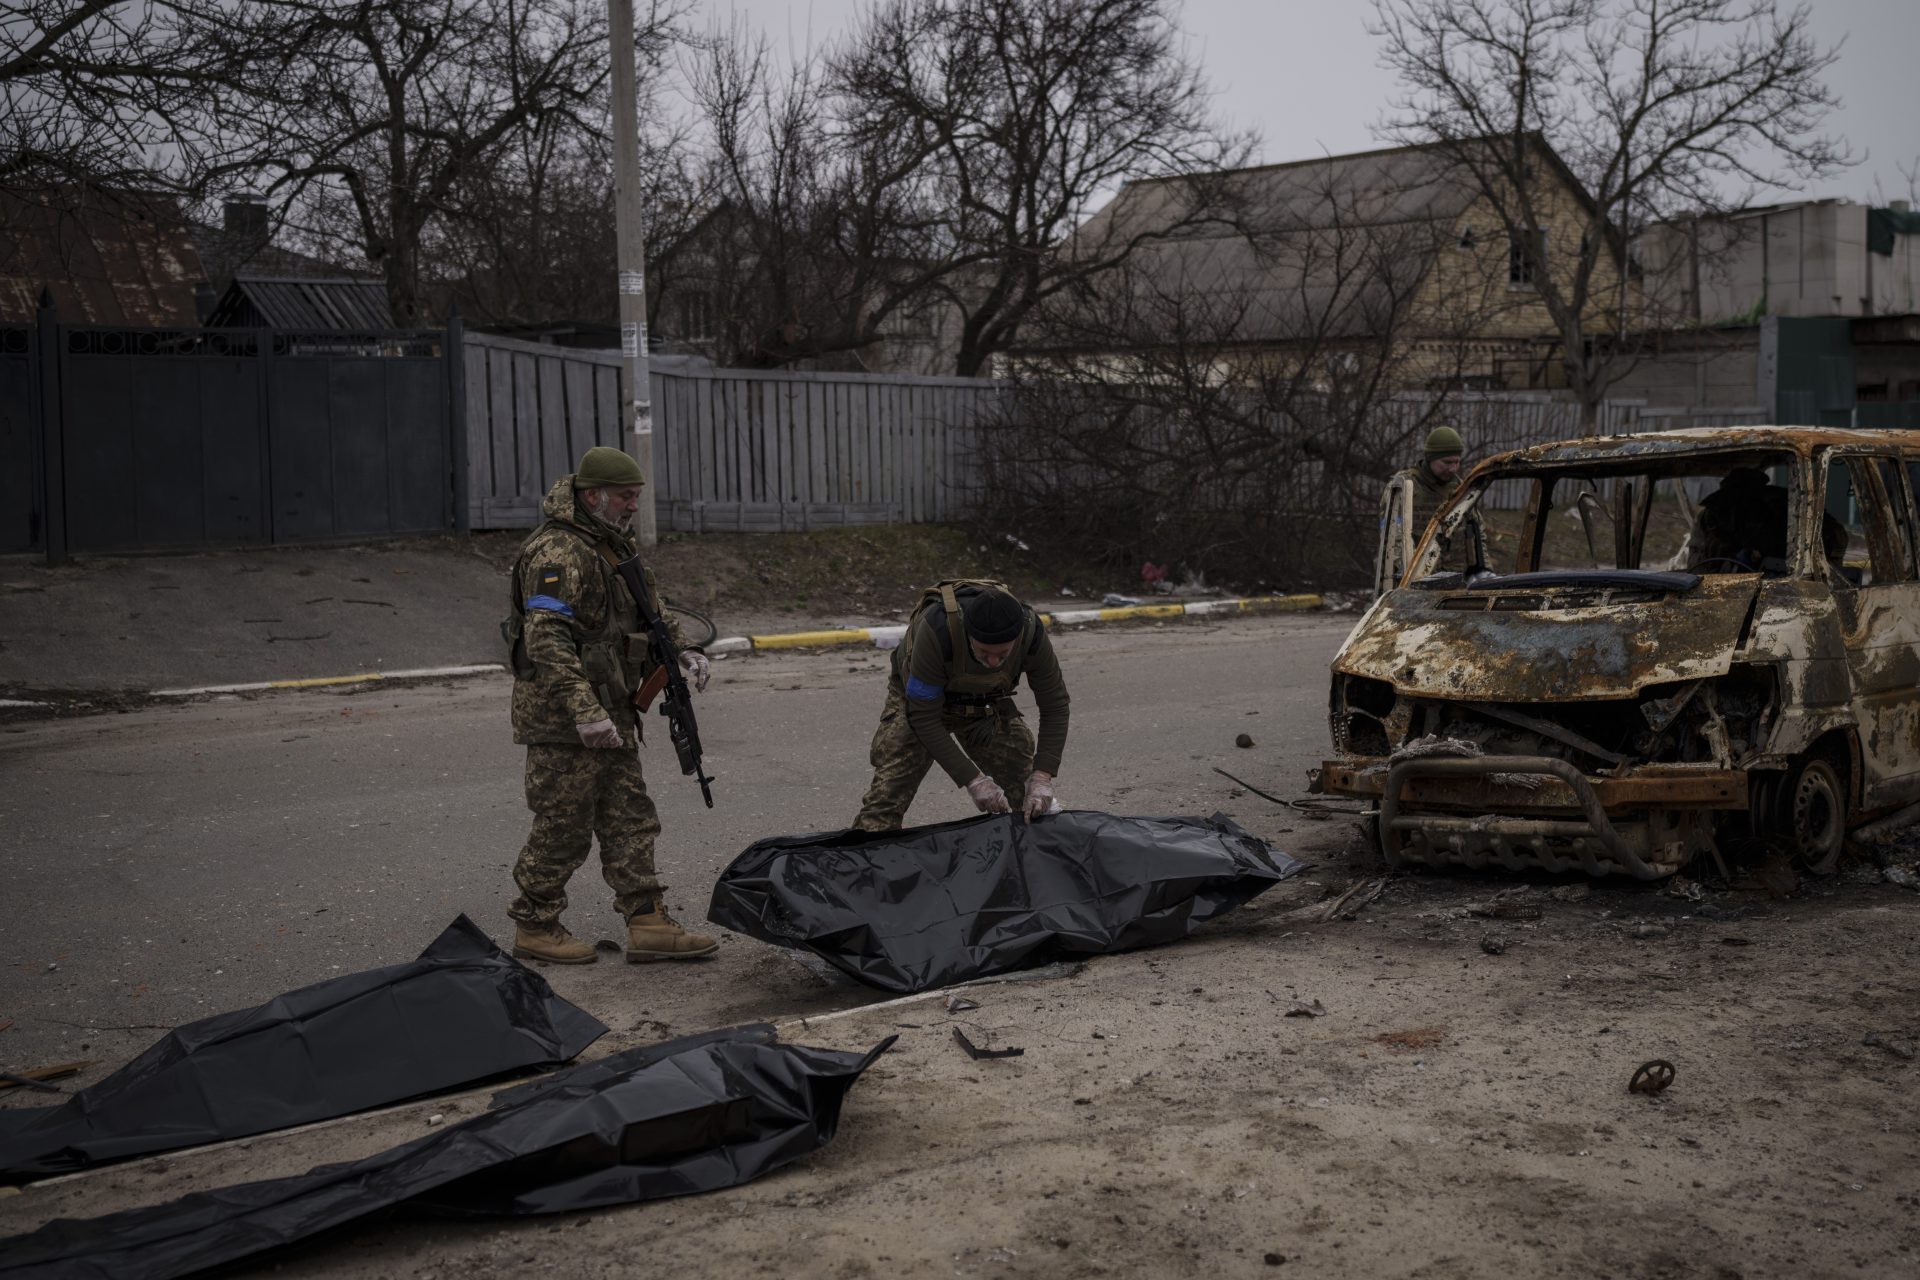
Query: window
(1525, 256)
(1865, 539)
(1900, 515)
(1719, 514)
(696, 316)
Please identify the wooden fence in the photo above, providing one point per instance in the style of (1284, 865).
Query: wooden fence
(738, 450)
(767, 451)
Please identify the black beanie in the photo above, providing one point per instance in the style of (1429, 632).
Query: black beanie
(993, 617)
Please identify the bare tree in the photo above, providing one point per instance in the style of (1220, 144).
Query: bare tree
(367, 117)
(529, 238)
(1656, 107)
(1224, 404)
(812, 242)
(1017, 117)
(112, 93)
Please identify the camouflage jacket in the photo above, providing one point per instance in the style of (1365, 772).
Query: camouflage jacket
(1411, 500)
(581, 652)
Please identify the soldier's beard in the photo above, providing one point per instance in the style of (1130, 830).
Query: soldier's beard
(619, 522)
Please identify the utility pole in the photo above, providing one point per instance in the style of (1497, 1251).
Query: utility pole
(632, 261)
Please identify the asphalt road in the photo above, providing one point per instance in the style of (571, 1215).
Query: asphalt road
(165, 864)
(1417, 1086)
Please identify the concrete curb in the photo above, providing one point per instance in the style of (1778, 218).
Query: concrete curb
(888, 637)
(319, 682)
(879, 637)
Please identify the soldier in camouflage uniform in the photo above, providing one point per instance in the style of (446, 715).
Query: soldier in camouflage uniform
(578, 656)
(950, 702)
(1412, 498)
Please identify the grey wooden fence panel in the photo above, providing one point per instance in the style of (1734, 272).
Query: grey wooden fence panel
(502, 482)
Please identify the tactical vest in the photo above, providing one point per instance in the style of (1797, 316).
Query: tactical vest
(615, 659)
(965, 686)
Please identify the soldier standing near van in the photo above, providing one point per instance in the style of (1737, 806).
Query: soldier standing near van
(950, 702)
(1411, 500)
(578, 656)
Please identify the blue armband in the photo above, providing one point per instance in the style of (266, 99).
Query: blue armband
(920, 691)
(547, 604)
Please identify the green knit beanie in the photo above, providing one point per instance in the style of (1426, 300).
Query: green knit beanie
(602, 466)
(1444, 442)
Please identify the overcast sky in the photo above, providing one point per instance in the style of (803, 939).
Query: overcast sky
(1303, 73)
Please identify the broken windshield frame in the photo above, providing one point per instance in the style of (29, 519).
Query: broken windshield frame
(1721, 512)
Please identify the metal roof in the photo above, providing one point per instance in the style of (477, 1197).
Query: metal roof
(107, 257)
(298, 303)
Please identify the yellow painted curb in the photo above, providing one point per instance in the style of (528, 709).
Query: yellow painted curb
(1142, 611)
(811, 639)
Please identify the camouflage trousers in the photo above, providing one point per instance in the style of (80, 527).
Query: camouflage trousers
(576, 793)
(1001, 745)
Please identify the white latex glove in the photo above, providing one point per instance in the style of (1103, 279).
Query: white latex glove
(600, 733)
(987, 795)
(697, 669)
(1039, 794)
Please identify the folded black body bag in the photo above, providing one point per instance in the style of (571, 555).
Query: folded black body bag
(694, 1114)
(930, 906)
(464, 1011)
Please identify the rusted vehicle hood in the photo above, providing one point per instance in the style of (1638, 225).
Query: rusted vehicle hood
(1552, 654)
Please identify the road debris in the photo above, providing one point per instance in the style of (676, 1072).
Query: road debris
(900, 910)
(1905, 877)
(1651, 1077)
(1505, 908)
(463, 1011)
(690, 1115)
(1347, 905)
(1243, 740)
(1686, 890)
(959, 1004)
(1301, 1009)
(1493, 945)
(37, 1078)
(1901, 1049)
(975, 1052)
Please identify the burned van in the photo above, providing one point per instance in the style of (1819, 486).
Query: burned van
(1680, 638)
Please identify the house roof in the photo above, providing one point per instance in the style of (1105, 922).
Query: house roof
(1330, 247)
(302, 304)
(106, 257)
(230, 253)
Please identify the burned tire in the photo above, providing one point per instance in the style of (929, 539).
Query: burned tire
(1810, 814)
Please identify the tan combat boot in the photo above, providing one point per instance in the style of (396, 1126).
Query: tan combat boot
(552, 944)
(655, 935)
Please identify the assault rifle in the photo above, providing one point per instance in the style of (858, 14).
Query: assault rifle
(677, 705)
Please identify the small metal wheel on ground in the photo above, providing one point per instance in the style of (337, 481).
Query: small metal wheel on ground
(1810, 814)
(696, 626)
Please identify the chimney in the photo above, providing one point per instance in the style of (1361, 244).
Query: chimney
(246, 219)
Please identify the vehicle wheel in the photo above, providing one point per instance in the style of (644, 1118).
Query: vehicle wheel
(697, 626)
(1810, 814)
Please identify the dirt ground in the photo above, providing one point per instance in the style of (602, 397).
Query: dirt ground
(1434, 1087)
(1444, 1111)
(763, 582)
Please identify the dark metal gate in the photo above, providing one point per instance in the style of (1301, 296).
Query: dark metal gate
(21, 520)
(169, 439)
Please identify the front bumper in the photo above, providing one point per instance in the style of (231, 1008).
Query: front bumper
(1537, 811)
